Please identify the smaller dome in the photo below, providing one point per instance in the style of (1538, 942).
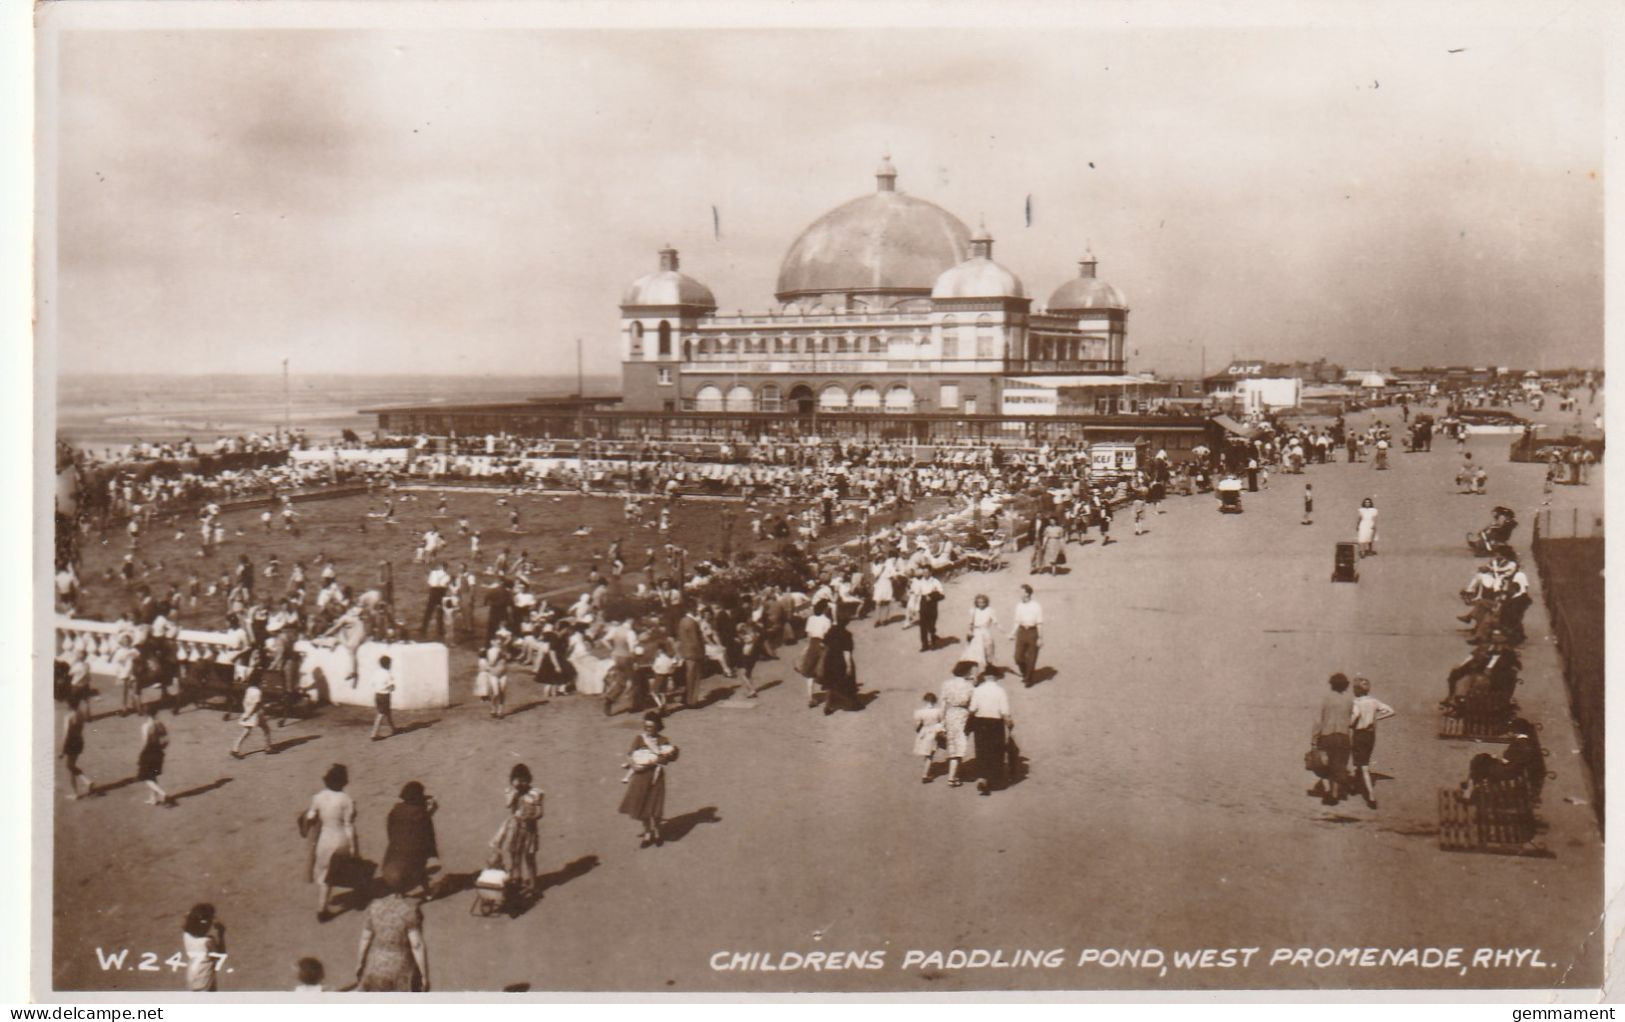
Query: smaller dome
(667, 286)
(979, 276)
(1086, 291)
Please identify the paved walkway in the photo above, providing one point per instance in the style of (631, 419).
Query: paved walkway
(1165, 806)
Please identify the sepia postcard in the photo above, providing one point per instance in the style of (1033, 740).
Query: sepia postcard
(785, 499)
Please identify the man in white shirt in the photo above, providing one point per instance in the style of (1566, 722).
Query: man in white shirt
(124, 663)
(1516, 602)
(990, 724)
(1028, 618)
(438, 581)
(1363, 738)
(929, 588)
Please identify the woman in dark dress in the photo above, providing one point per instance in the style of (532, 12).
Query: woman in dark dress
(647, 759)
(411, 838)
(840, 676)
(550, 669)
(149, 764)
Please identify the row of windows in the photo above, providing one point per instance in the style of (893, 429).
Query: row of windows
(896, 347)
(832, 398)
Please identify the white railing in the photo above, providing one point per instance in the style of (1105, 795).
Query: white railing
(422, 670)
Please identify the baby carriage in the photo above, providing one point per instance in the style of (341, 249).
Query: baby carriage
(1229, 497)
(495, 892)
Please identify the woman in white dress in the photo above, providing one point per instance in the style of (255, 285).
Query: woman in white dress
(589, 668)
(979, 647)
(332, 814)
(1366, 536)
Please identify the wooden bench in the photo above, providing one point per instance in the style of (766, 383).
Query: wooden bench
(1481, 712)
(986, 560)
(1499, 819)
(1482, 727)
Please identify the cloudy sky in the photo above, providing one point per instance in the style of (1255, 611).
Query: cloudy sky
(474, 201)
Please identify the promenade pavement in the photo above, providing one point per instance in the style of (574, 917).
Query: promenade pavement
(1165, 806)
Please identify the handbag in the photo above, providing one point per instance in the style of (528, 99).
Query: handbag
(1316, 760)
(305, 824)
(1060, 558)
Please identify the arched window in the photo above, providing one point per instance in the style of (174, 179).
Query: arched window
(739, 399)
(950, 337)
(664, 349)
(842, 344)
(899, 398)
(984, 336)
(769, 398)
(637, 340)
(832, 398)
(708, 399)
(688, 350)
(877, 346)
(866, 399)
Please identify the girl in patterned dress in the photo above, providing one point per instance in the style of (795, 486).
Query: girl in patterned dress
(927, 729)
(517, 840)
(956, 695)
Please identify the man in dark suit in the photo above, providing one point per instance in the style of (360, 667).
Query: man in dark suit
(691, 647)
(498, 605)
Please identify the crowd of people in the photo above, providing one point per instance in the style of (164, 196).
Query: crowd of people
(644, 639)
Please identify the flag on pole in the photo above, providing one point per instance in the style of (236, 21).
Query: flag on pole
(1029, 211)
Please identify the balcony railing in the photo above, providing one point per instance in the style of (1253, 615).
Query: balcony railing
(859, 363)
(1075, 365)
(848, 319)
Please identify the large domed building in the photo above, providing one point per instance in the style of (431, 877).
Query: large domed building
(887, 303)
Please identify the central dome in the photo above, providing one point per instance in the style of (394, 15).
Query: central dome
(885, 243)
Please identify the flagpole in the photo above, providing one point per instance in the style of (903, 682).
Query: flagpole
(287, 401)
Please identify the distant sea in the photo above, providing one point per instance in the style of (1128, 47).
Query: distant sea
(105, 410)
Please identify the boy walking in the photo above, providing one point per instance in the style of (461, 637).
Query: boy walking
(383, 688)
(1363, 735)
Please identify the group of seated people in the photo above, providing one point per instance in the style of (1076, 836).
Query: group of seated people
(1497, 597)
(1482, 685)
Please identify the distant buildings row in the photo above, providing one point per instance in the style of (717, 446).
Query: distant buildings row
(1256, 385)
(888, 310)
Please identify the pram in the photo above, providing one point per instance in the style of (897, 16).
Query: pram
(1229, 491)
(495, 893)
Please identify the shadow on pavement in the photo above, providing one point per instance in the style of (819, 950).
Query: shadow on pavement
(294, 743)
(202, 789)
(676, 828)
(1041, 675)
(521, 708)
(566, 873)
